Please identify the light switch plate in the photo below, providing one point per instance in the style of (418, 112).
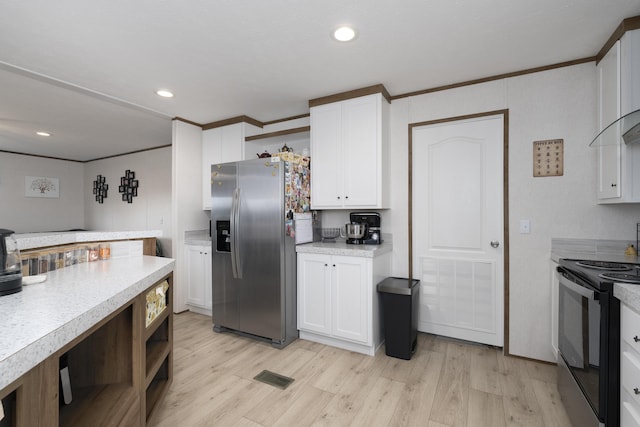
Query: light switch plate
(525, 226)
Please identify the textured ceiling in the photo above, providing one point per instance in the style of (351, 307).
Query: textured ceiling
(88, 70)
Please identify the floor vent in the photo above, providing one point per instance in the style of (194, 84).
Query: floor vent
(274, 379)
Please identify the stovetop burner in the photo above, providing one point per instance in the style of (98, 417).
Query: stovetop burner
(600, 274)
(622, 277)
(604, 265)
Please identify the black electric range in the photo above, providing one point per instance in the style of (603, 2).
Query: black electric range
(603, 274)
(589, 339)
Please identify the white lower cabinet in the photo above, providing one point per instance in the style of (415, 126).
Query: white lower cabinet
(629, 367)
(198, 277)
(337, 300)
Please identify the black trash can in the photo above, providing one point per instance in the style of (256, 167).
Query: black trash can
(400, 315)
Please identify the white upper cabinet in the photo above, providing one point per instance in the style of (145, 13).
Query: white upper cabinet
(608, 112)
(349, 143)
(220, 145)
(630, 72)
(618, 95)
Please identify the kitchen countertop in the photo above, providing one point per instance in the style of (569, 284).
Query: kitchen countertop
(45, 317)
(556, 255)
(197, 238)
(629, 294)
(57, 238)
(342, 248)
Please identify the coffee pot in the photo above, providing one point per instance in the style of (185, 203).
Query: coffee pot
(10, 266)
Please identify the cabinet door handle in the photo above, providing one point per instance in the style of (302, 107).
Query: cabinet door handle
(636, 339)
(636, 390)
(338, 197)
(326, 265)
(614, 185)
(346, 197)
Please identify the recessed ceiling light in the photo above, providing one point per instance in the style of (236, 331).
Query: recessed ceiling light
(164, 93)
(43, 133)
(344, 34)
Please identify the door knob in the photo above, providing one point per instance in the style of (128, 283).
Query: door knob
(495, 243)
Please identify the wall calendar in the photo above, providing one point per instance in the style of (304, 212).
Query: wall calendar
(548, 157)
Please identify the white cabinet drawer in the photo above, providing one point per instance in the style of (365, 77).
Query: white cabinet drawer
(629, 412)
(630, 327)
(630, 374)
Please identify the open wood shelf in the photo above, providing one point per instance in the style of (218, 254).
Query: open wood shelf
(156, 324)
(280, 133)
(158, 386)
(158, 357)
(100, 405)
(157, 352)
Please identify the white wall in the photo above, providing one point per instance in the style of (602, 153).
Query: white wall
(558, 103)
(150, 210)
(27, 214)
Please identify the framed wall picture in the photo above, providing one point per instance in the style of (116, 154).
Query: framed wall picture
(40, 186)
(100, 188)
(548, 158)
(128, 186)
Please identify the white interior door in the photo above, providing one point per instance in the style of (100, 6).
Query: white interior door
(458, 228)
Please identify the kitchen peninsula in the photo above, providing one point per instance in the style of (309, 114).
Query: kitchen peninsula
(109, 321)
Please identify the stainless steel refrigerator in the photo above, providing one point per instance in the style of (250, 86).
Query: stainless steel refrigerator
(253, 237)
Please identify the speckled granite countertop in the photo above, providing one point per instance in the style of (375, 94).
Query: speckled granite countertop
(40, 240)
(44, 317)
(600, 250)
(197, 238)
(342, 248)
(628, 294)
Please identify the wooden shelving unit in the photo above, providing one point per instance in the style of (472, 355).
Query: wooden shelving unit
(158, 352)
(101, 371)
(119, 371)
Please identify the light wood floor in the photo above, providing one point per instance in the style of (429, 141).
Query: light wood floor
(446, 383)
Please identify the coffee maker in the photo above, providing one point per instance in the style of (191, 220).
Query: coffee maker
(372, 234)
(10, 267)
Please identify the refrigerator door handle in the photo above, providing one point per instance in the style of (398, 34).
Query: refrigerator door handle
(235, 250)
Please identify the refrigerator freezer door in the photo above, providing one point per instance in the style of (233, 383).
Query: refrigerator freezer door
(225, 287)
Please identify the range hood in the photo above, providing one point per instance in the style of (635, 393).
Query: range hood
(624, 130)
(632, 135)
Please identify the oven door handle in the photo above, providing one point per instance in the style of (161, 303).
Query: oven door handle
(588, 293)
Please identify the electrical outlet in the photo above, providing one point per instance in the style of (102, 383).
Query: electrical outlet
(525, 226)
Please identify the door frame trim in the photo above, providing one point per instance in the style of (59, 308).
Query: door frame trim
(505, 201)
